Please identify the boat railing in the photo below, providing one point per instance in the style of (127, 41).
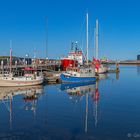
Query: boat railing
(75, 69)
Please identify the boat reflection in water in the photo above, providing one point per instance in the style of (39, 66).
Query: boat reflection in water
(103, 76)
(30, 95)
(95, 97)
(78, 89)
(75, 91)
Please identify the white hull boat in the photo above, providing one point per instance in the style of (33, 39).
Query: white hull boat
(20, 81)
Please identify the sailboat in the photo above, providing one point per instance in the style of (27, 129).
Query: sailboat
(30, 77)
(79, 74)
(99, 68)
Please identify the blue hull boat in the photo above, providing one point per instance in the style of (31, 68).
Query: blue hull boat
(73, 79)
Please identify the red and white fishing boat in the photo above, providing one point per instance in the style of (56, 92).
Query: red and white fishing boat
(74, 58)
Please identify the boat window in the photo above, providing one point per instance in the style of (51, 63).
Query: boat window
(66, 76)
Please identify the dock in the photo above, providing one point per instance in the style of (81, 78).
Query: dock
(52, 77)
(126, 62)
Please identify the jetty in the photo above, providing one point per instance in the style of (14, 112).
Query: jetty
(126, 62)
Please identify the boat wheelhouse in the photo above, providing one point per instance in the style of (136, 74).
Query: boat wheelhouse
(78, 74)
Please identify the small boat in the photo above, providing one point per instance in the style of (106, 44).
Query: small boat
(99, 68)
(78, 74)
(30, 78)
(102, 69)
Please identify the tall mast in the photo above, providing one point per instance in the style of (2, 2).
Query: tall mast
(87, 35)
(46, 38)
(94, 53)
(96, 40)
(10, 56)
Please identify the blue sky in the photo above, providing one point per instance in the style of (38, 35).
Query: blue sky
(26, 23)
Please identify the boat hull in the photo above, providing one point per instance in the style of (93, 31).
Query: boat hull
(101, 70)
(72, 79)
(15, 83)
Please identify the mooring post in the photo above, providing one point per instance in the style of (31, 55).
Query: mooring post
(117, 67)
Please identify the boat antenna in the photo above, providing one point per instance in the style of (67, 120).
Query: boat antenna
(87, 36)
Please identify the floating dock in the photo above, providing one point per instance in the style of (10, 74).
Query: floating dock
(52, 77)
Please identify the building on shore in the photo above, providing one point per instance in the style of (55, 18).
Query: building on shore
(138, 57)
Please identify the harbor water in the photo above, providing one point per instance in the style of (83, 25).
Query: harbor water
(106, 110)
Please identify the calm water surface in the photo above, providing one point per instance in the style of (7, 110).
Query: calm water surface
(106, 110)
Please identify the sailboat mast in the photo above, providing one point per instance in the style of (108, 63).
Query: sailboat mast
(10, 56)
(46, 38)
(96, 40)
(87, 35)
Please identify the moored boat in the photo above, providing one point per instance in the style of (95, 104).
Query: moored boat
(99, 68)
(82, 73)
(30, 78)
(78, 74)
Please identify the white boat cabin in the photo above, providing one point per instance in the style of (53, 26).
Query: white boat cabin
(80, 71)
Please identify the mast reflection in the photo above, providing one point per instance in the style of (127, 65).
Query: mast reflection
(95, 97)
(82, 89)
(30, 95)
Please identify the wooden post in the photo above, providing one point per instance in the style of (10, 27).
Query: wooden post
(117, 67)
